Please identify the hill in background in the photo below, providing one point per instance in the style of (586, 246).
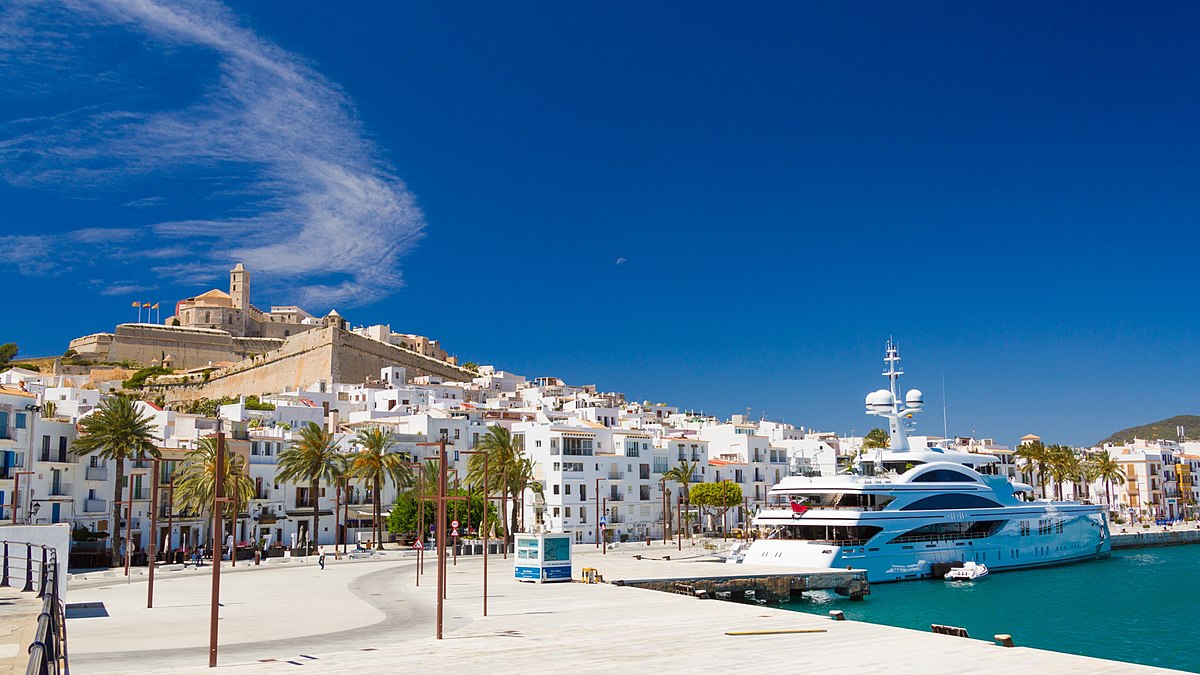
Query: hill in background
(1161, 430)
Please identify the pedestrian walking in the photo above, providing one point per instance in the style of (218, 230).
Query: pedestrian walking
(321, 559)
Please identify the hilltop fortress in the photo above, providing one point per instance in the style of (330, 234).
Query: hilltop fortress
(222, 343)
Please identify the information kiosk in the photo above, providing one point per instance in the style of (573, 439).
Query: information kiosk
(543, 557)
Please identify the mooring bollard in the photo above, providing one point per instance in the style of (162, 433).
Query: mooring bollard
(837, 615)
(28, 569)
(1004, 640)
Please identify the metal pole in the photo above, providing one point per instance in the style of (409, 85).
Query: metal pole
(484, 527)
(441, 533)
(337, 504)
(420, 520)
(152, 554)
(128, 526)
(598, 537)
(170, 516)
(504, 505)
(679, 521)
(666, 509)
(454, 544)
(603, 539)
(218, 503)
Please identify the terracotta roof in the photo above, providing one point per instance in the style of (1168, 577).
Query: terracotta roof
(17, 392)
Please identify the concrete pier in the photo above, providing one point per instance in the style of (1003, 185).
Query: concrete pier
(764, 582)
(367, 617)
(1155, 536)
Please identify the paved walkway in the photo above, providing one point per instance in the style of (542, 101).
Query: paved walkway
(277, 619)
(18, 626)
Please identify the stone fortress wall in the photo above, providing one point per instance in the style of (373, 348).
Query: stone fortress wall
(145, 343)
(329, 354)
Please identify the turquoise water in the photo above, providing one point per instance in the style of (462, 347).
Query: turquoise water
(1139, 605)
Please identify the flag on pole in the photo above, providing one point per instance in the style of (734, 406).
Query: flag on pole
(154, 306)
(145, 305)
(137, 304)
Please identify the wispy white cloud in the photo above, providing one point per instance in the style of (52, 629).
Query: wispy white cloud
(306, 200)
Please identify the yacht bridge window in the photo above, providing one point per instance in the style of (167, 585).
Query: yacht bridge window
(949, 501)
(943, 476)
(861, 501)
(840, 535)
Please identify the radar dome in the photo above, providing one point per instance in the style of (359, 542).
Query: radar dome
(880, 400)
(914, 398)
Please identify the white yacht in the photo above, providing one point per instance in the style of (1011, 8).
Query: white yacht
(905, 513)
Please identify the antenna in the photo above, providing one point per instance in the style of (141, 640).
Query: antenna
(945, 424)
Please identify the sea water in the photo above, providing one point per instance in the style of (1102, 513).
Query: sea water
(1139, 605)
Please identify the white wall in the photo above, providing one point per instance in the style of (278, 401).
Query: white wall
(57, 536)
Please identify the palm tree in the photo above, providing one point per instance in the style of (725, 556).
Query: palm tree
(1109, 470)
(117, 430)
(374, 464)
(313, 457)
(195, 485)
(1034, 459)
(504, 458)
(1063, 465)
(523, 479)
(876, 438)
(682, 473)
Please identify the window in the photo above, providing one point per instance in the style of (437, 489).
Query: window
(660, 464)
(62, 443)
(46, 443)
(951, 501)
(576, 446)
(555, 490)
(456, 434)
(943, 476)
(556, 510)
(568, 512)
(567, 490)
(536, 444)
(20, 420)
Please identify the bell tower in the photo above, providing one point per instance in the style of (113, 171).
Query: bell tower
(239, 287)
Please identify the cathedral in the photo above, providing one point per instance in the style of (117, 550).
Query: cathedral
(233, 313)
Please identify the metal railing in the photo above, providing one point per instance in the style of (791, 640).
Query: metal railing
(60, 490)
(95, 505)
(48, 652)
(97, 473)
(59, 456)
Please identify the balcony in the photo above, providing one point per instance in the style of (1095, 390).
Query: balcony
(616, 497)
(6, 433)
(304, 503)
(59, 456)
(60, 490)
(97, 473)
(615, 474)
(262, 459)
(262, 494)
(140, 494)
(95, 506)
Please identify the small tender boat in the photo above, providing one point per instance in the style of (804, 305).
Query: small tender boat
(970, 571)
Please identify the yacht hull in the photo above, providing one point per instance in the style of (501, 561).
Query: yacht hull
(1028, 537)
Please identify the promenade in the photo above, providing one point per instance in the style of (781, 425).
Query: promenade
(367, 617)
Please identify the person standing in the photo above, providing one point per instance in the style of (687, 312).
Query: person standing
(321, 558)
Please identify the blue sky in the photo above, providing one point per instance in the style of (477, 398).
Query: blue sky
(1008, 189)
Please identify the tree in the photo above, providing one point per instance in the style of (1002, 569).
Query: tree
(1109, 470)
(505, 463)
(8, 352)
(117, 430)
(471, 366)
(313, 457)
(196, 483)
(682, 473)
(877, 438)
(1034, 461)
(406, 515)
(374, 464)
(1062, 465)
(718, 496)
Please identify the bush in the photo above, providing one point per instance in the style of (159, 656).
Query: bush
(138, 380)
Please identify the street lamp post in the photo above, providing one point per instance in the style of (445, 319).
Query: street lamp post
(603, 530)
(598, 537)
(218, 506)
(666, 509)
(679, 520)
(441, 500)
(484, 527)
(152, 552)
